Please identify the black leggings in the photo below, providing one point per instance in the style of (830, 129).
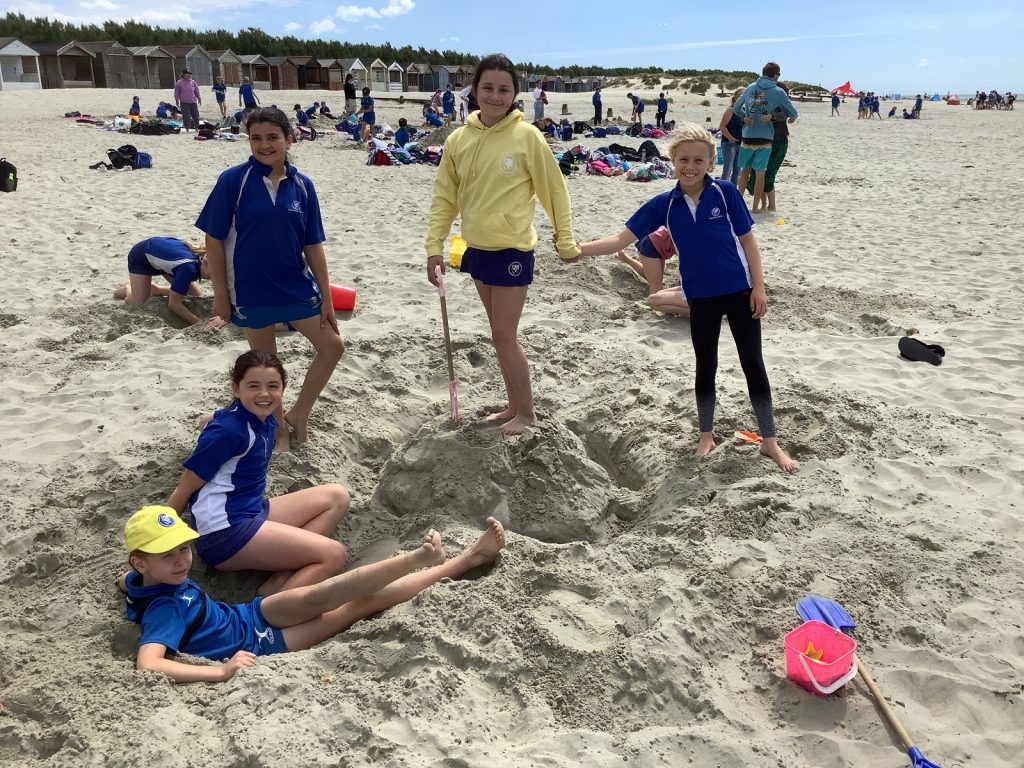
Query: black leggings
(705, 328)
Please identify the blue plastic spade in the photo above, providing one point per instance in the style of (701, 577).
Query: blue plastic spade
(832, 613)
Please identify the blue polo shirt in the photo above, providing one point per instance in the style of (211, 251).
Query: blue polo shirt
(368, 116)
(711, 258)
(232, 456)
(301, 118)
(165, 256)
(165, 611)
(638, 104)
(401, 137)
(264, 234)
(248, 98)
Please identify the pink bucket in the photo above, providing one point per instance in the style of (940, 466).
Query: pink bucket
(837, 666)
(343, 297)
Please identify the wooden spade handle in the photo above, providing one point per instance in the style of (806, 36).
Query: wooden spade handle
(883, 705)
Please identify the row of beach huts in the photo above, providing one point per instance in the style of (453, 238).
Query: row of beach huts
(112, 65)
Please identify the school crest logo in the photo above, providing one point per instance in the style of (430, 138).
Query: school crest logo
(165, 520)
(296, 206)
(515, 268)
(716, 213)
(507, 165)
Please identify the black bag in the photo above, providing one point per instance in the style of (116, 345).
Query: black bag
(125, 156)
(580, 127)
(628, 154)
(649, 151)
(8, 176)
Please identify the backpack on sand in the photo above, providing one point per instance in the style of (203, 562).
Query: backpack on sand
(127, 156)
(8, 176)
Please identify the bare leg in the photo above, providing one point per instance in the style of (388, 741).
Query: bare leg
(329, 349)
(265, 339)
(138, 289)
(770, 447)
(484, 551)
(635, 264)
(294, 542)
(771, 201)
(504, 305)
(741, 185)
(758, 190)
(671, 301)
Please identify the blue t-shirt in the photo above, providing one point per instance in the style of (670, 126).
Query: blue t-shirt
(161, 111)
(166, 611)
(220, 90)
(401, 137)
(301, 118)
(663, 105)
(265, 236)
(232, 455)
(448, 101)
(366, 102)
(168, 256)
(596, 98)
(711, 258)
(638, 104)
(835, 101)
(245, 91)
(134, 109)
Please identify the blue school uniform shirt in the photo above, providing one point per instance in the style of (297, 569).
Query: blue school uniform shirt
(161, 111)
(401, 137)
(232, 456)
(166, 611)
(663, 105)
(134, 109)
(448, 101)
(264, 235)
(638, 104)
(174, 259)
(711, 258)
(248, 98)
(220, 91)
(366, 102)
(301, 118)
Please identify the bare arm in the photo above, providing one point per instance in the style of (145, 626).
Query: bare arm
(175, 303)
(607, 245)
(758, 297)
(189, 483)
(216, 260)
(152, 656)
(317, 261)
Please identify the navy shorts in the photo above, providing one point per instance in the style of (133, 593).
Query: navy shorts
(220, 546)
(269, 639)
(138, 264)
(263, 317)
(506, 268)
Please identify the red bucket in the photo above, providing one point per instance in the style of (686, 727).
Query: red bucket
(837, 665)
(343, 297)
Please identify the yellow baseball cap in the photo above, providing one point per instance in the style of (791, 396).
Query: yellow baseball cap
(156, 529)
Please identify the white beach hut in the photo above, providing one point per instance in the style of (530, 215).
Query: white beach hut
(19, 66)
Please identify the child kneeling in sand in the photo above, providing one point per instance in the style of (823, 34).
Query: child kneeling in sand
(182, 264)
(720, 267)
(655, 250)
(178, 617)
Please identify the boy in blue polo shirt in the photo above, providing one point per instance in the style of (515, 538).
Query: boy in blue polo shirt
(178, 617)
(367, 117)
(181, 263)
(720, 267)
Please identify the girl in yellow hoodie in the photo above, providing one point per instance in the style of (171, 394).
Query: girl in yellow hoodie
(492, 171)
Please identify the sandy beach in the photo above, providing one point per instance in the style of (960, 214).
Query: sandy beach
(636, 617)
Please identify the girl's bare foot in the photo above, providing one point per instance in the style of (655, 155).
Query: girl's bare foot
(431, 552)
(771, 448)
(300, 424)
(487, 547)
(503, 415)
(121, 292)
(516, 425)
(705, 444)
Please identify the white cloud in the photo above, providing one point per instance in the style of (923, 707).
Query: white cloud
(105, 5)
(453, 39)
(355, 13)
(322, 26)
(397, 8)
(292, 26)
(922, 63)
(372, 27)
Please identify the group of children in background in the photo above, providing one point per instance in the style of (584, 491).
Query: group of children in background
(268, 269)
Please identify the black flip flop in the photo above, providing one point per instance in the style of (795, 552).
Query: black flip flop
(918, 351)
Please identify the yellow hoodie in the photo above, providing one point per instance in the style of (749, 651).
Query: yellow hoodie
(492, 177)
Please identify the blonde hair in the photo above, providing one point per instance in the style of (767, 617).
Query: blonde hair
(687, 132)
(197, 248)
(736, 94)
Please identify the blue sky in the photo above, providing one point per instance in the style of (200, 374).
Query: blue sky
(881, 46)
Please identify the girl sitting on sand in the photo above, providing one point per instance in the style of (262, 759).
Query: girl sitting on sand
(264, 243)
(492, 171)
(225, 479)
(720, 266)
(655, 250)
